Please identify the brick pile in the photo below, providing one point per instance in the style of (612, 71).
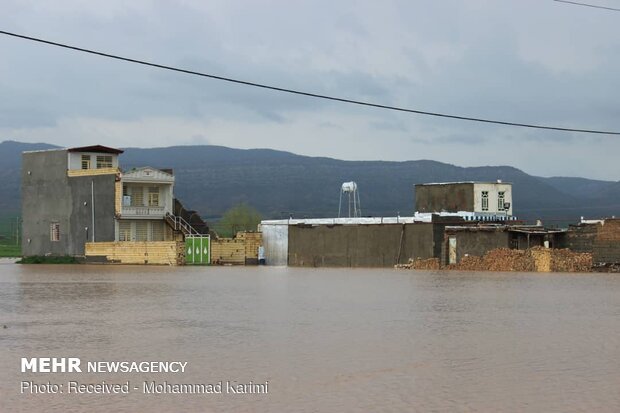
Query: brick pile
(501, 259)
(564, 260)
(537, 259)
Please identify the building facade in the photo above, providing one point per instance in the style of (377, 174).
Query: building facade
(79, 197)
(483, 199)
(68, 199)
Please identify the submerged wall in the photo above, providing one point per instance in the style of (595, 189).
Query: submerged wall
(379, 245)
(275, 242)
(148, 252)
(474, 241)
(241, 250)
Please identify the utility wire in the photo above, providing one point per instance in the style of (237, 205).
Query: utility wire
(587, 5)
(308, 94)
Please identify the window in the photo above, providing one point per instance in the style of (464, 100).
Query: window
(485, 200)
(157, 231)
(85, 161)
(124, 231)
(104, 161)
(137, 196)
(54, 231)
(153, 196)
(500, 201)
(142, 231)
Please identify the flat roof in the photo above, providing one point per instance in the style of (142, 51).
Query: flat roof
(464, 182)
(46, 150)
(344, 221)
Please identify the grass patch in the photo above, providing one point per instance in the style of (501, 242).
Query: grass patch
(11, 251)
(37, 259)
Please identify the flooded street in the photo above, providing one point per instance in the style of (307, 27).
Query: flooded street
(329, 340)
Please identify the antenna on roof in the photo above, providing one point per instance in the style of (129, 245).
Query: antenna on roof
(353, 200)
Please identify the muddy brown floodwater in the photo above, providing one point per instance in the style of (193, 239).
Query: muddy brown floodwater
(328, 340)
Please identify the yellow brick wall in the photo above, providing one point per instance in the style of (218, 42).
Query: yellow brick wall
(92, 172)
(236, 250)
(149, 252)
(118, 197)
(251, 240)
(228, 251)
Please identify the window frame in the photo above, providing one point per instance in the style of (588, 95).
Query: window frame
(124, 231)
(85, 161)
(153, 196)
(484, 200)
(54, 231)
(104, 161)
(501, 200)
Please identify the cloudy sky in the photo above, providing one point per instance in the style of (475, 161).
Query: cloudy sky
(531, 61)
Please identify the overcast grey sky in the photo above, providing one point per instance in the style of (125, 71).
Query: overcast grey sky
(533, 61)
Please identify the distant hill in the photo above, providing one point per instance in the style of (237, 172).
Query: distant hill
(211, 179)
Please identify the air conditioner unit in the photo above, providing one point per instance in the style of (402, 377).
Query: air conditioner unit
(126, 200)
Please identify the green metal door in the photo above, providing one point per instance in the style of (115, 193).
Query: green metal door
(198, 250)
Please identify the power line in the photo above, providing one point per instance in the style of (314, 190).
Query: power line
(307, 94)
(587, 5)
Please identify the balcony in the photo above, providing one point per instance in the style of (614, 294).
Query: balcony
(152, 212)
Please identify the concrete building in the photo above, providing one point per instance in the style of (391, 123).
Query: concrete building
(481, 201)
(353, 242)
(387, 241)
(78, 202)
(68, 199)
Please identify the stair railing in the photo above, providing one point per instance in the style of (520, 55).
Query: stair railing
(181, 224)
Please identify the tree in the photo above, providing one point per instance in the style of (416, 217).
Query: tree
(241, 217)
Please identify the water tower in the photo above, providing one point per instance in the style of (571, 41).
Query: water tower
(349, 189)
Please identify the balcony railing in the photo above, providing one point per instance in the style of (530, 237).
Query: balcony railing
(143, 211)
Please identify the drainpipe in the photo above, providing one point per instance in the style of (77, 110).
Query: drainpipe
(92, 207)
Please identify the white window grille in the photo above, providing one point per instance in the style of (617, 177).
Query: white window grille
(54, 231)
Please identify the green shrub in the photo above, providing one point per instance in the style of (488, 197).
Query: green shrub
(38, 259)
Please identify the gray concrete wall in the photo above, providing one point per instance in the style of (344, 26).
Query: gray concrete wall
(474, 242)
(46, 198)
(49, 195)
(358, 245)
(448, 197)
(81, 215)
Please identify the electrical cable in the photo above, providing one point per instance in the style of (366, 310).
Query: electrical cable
(308, 94)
